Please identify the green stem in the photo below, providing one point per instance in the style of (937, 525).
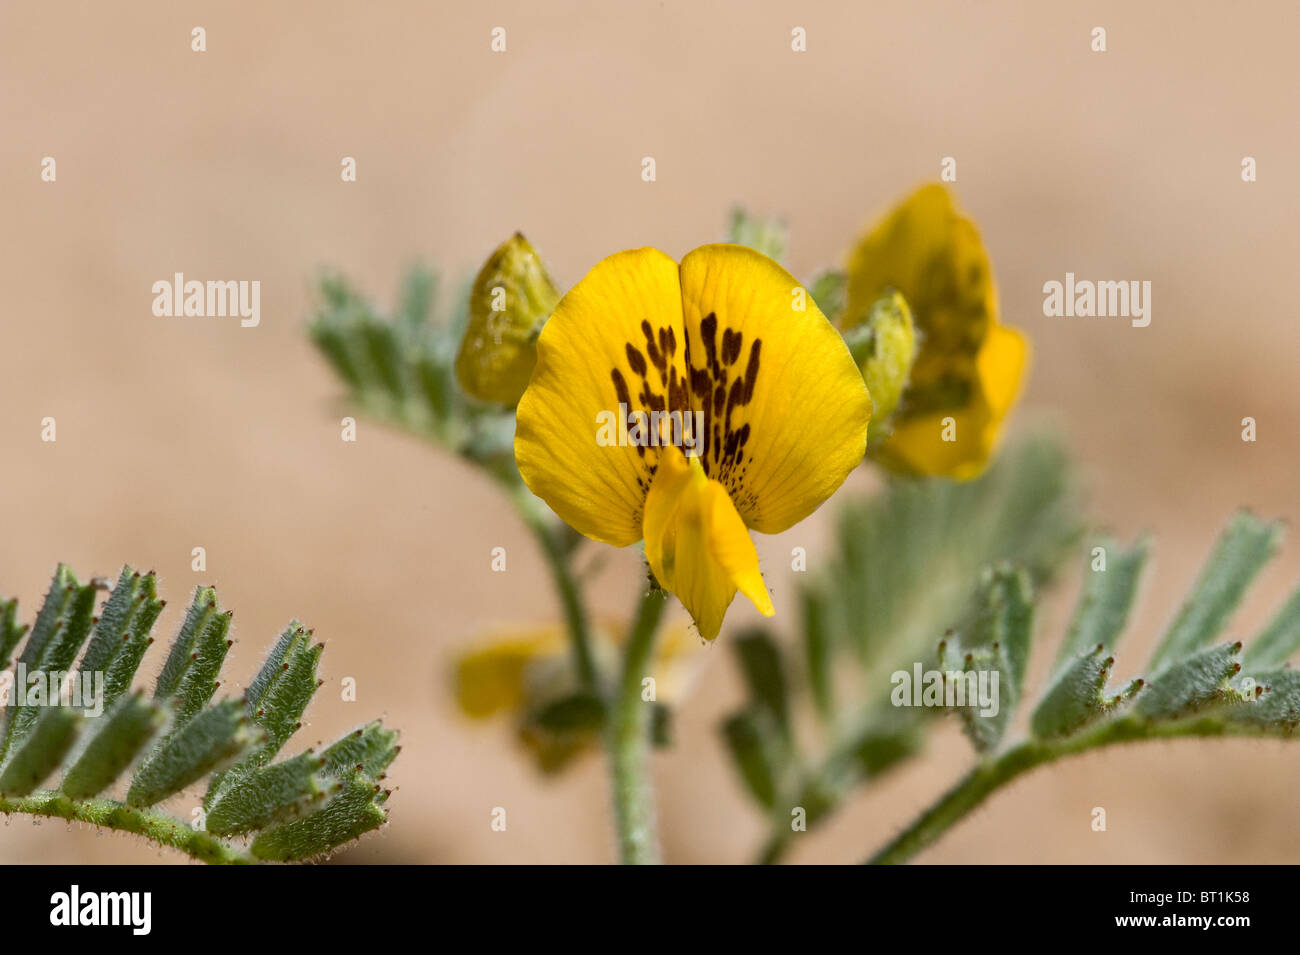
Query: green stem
(775, 846)
(839, 770)
(997, 772)
(629, 743)
(556, 548)
(627, 737)
(960, 800)
(150, 823)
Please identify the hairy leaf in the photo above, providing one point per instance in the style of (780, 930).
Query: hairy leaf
(60, 630)
(210, 740)
(899, 573)
(996, 643)
(760, 662)
(1109, 589)
(368, 749)
(1194, 690)
(121, 635)
(267, 794)
(754, 741)
(10, 631)
(173, 739)
(112, 744)
(1279, 641)
(39, 751)
(1240, 554)
(352, 810)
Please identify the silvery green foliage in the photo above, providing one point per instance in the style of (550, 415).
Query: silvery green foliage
(400, 368)
(899, 573)
(153, 746)
(1192, 686)
(1223, 688)
(946, 576)
(995, 640)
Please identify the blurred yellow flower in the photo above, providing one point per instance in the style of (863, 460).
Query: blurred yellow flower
(530, 676)
(969, 368)
(511, 299)
(495, 677)
(681, 405)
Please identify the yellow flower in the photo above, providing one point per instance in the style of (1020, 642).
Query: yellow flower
(511, 299)
(680, 405)
(969, 367)
(495, 677)
(530, 675)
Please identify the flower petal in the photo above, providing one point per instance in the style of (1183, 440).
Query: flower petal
(926, 249)
(1001, 365)
(785, 407)
(918, 447)
(969, 367)
(697, 545)
(918, 444)
(614, 339)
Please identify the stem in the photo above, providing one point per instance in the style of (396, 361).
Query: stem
(839, 770)
(960, 800)
(774, 848)
(627, 737)
(556, 549)
(995, 773)
(629, 742)
(150, 823)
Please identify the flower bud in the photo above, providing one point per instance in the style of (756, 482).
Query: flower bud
(511, 300)
(884, 346)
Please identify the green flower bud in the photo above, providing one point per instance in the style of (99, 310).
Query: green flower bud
(884, 346)
(511, 300)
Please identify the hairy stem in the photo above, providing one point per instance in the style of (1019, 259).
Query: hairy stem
(557, 550)
(629, 743)
(150, 823)
(996, 772)
(960, 800)
(628, 731)
(828, 781)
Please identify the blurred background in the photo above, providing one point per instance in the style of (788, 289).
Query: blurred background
(177, 433)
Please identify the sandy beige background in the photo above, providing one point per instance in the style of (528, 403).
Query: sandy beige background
(225, 165)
